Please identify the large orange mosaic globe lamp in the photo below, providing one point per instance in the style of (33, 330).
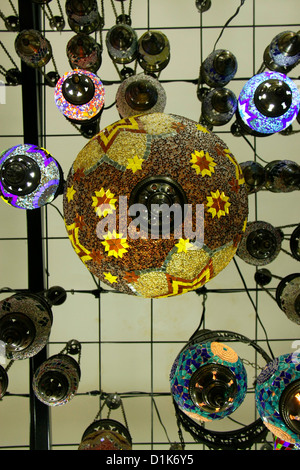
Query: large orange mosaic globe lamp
(125, 191)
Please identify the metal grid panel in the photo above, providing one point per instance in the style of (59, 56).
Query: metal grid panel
(129, 344)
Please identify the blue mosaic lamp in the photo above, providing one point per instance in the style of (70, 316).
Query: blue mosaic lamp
(277, 395)
(268, 103)
(29, 177)
(208, 381)
(283, 53)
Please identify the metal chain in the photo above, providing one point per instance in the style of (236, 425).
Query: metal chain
(8, 54)
(252, 364)
(9, 365)
(60, 9)
(124, 415)
(14, 10)
(122, 8)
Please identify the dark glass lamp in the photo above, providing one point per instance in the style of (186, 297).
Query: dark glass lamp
(254, 174)
(277, 395)
(260, 244)
(218, 106)
(283, 53)
(218, 68)
(84, 52)
(282, 176)
(121, 43)
(33, 48)
(83, 16)
(29, 177)
(268, 103)
(153, 51)
(106, 434)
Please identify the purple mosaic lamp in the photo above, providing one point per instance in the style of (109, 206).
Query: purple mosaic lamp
(79, 96)
(56, 380)
(268, 103)
(29, 177)
(277, 396)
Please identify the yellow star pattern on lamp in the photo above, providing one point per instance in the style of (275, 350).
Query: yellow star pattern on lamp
(183, 245)
(70, 193)
(202, 163)
(104, 202)
(115, 244)
(218, 204)
(202, 128)
(110, 278)
(135, 163)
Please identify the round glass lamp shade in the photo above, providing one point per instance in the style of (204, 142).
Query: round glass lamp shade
(218, 68)
(282, 176)
(260, 244)
(124, 178)
(284, 49)
(268, 103)
(3, 381)
(83, 15)
(208, 381)
(288, 297)
(83, 52)
(121, 43)
(295, 243)
(277, 396)
(79, 96)
(219, 106)
(29, 177)
(25, 325)
(153, 51)
(56, 380)
(140, 94)
(254, 174)
(33, 48)
(106, 434)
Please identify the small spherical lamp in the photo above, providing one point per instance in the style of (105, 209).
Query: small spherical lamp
(140, 94)
(219, 106)
(288, 296)
(83, 52)
(277, 395)
(260, 244)
(33, 48)
(254, 174)
(121, 43)
(106, 434)
(283, 53)
(282, 176)
(83, 16)
(56, 380)
(219, 67)
(208, 381)
(29, 177)
(79, 96)
(268, 103)
(124, 178)
(153, 51)
(25, 325)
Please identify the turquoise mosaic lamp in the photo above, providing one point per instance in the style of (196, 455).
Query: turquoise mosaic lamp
(277, 395)
(208, 381)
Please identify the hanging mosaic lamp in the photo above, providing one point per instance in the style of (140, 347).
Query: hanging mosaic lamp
(79, 96)
(140, 94)
(106, 434)
(3, 382)
(254, 174)
(283, 53)
(268, 103)
(153, 51)
(84, 52)
(56, 380)
(145, 161)
(25, 325)
(83, 16)
(218, 68)
(260, 244)
(29, 177)
(208, 380)
(277, 395)
(295, 243)
(279, 444)
(288, 296)
(121, 43)
(33, 48)
(219, 106)
(282, 176)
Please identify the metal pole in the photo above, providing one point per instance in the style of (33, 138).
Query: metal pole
(29, 17)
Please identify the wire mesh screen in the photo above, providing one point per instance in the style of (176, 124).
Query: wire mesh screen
(128, 344)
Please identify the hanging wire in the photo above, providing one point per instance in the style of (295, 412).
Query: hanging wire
(4, 18)
(3, 71)
(253, 148)
(160, 420)
(227, 23)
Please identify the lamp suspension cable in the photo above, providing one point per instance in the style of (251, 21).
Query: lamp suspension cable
(11, 22)
(12, 76)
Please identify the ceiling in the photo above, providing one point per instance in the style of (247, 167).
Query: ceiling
(129, 343)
